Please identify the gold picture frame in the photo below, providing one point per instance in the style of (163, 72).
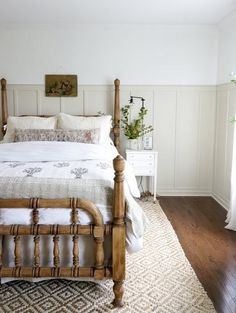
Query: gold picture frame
(61, 85)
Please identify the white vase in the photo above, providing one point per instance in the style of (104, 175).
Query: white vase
(134, 144)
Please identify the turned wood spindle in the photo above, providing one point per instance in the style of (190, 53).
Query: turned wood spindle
(74, 213)
(75, 238)
(35, 204)
(17, 251)
(75, 250)
(36, 251)
(99, 252)
(35, 216)
(99, 258)
(56, 258)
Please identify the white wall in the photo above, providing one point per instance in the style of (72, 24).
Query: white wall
(137, 54)
(227, 48)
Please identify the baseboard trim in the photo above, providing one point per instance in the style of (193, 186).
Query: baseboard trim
(185, 193)
(224, 203)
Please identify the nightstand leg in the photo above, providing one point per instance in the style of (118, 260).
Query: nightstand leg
(154, 189)
(155, 181)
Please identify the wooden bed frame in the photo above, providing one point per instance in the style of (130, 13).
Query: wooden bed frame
(98, 229)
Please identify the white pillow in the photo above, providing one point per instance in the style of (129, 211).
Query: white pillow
(28, 122)
(103, 122)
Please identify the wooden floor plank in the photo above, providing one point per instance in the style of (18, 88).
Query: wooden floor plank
(211, 249)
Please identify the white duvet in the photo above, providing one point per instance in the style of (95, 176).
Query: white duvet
(63, 151)
(39, 166)
(47, 169)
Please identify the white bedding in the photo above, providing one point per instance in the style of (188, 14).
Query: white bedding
(59, 169)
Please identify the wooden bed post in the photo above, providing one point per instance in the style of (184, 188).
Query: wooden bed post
(4, 104)
(118, 232)
(116, 128)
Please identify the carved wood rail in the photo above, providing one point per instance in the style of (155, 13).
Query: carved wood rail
(98, 230)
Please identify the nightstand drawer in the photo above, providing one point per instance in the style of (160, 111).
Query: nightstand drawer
(141, 163)
(143, 171)
(142, 157)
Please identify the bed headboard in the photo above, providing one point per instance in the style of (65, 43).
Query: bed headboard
(116, 119)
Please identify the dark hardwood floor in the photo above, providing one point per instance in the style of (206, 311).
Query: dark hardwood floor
(210, 248)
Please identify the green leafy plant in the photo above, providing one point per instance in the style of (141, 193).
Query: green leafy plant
(135, 128)
(233, 80)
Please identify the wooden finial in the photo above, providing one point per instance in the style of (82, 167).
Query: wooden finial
(119, 164)
(3, 83)
(117, 82)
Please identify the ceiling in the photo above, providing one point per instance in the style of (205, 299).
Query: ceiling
(114, 12)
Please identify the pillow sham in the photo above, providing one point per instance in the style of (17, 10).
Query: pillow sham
(103, 123)
(80, 135)
(28, 122)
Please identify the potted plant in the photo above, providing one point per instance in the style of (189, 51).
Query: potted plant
(134, 130)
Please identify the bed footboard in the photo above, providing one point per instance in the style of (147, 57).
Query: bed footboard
(98, 230)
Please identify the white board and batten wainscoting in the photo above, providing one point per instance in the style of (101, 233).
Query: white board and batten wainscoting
(183, 118)
(225, 111)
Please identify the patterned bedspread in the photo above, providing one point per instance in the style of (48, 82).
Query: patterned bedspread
(65, 170)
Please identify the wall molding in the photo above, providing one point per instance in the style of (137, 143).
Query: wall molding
(186, 192)
(225, 110)
(184, 120)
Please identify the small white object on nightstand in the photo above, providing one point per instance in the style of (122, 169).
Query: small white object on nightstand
(144, 163)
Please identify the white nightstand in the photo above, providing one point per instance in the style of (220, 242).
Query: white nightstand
(144, 163)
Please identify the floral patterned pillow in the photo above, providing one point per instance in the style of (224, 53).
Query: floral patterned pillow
(80, 135)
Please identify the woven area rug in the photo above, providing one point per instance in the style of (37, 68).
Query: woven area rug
(159, 279)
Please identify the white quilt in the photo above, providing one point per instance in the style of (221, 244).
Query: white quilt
(59, 169)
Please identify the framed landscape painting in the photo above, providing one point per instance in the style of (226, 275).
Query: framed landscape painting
(61, 85)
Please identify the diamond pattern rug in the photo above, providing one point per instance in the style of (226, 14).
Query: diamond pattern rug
(159, 279)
